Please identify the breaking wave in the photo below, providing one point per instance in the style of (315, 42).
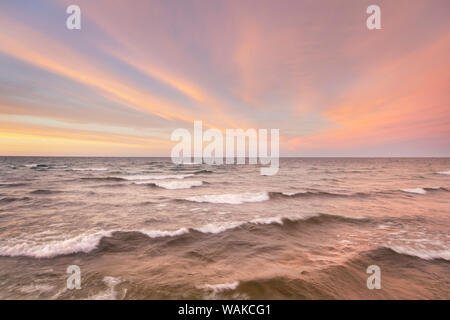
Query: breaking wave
(425, 254)
(172, 185)
(220, 287)
(415, 190)
(87, 242)
(423, 190)
(264, 196)
(81, 243)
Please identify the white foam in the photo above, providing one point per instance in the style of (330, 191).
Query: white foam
(172, 185)
(81, 243)
(443, 172)
(415, 190)
(110, 293)
(231, 198)
(214, 228)
(88, 241)
(163, 233)
(290, 194)
(427, 254)
(147, 177)
(221, 286)
(269, 220)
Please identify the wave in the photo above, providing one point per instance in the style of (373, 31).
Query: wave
(231, 198)
(436, 189)
(37, 166)
(81, 243)
(116, 179)
(311, 194)
(220, 287)
(109, 185)
(163, 233)
(264, 196)
(87, 242)
(39, 288)
(110, 293)
(31, 165)
(426, 254)
(13, 185)
(203, 172)
(12, 199)
(343, 281)
(130, 173)
(423, 190)
(415, 190)
(162, 177)
(44, 192)
(144, 178)
(443, 172)
(172, 185)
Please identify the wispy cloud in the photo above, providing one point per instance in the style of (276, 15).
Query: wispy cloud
(138, 70)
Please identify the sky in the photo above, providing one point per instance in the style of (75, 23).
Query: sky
(137, 70)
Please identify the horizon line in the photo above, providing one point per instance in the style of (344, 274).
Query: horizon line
(168, 157)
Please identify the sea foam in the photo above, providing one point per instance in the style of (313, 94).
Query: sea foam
(426, 254)
(415, 190)
(220, 286)
(172, 185)
(89, 241)
(81, 243)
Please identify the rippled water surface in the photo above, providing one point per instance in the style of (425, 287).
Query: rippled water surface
(144, 228)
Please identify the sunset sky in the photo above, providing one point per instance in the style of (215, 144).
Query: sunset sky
(137, 70)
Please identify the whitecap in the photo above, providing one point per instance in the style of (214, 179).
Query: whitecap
(426, 254)
(80, 243)
(110, 293)
(415, 190)
(270, 220)
(172, 185)
(220, 286)
(214, 228)
(163, 233)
